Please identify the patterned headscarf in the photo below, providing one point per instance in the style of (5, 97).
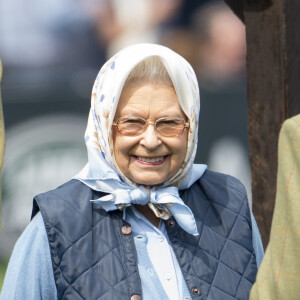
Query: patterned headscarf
(102, 173)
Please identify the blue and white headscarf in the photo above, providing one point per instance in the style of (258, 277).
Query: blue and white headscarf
(102, 172)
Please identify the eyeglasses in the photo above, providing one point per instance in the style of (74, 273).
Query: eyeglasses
(133, 126)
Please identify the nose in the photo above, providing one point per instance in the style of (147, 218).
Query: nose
(150, 138)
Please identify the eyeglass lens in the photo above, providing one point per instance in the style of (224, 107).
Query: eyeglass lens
(164, 126)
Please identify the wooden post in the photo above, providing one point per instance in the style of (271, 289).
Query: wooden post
(273, 74)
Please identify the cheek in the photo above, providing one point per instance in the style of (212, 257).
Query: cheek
(122, 145)
(183, 145)
(120, 158)
(179, 148)
(117, 152)
(182, 149)
(117, 146)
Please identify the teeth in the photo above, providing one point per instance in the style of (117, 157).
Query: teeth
(151, 160)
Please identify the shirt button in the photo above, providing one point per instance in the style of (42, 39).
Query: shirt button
(160, 238)
(187, 298)
(135, 297)
(168, 277)
(126, 229)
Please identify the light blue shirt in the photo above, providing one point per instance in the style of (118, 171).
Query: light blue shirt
(158, 267)
(30, 275)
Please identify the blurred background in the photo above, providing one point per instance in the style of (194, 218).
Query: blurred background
(52, 51)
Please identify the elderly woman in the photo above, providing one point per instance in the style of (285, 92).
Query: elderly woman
(140, 221)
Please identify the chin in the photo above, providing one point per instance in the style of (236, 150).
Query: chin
(149, 181)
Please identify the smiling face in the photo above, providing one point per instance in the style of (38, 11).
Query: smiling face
(149, 159)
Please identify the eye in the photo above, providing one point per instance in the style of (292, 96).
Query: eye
(169, 122)
(132, 121)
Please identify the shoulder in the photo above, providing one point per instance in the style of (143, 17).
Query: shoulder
(71, 187)
(221, 184)
(71, 194)
(34, 234)
(220, 189)
(30, 265)
(64, 208)
(221, 181)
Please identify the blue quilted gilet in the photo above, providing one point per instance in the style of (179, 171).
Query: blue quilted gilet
(95, 258)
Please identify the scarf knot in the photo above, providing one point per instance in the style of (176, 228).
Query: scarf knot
(140, 195)
(131, 196)
(166, 198)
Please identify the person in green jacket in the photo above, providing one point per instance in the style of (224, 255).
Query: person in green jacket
(279, 274)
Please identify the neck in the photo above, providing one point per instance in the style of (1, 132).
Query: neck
(148, 214)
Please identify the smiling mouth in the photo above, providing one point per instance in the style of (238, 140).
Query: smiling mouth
(151, 160)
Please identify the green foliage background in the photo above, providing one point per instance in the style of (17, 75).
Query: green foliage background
(3, 266)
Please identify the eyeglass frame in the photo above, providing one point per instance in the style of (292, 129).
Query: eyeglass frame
(149, 122)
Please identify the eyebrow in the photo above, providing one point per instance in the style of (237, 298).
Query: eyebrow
(165, 113)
